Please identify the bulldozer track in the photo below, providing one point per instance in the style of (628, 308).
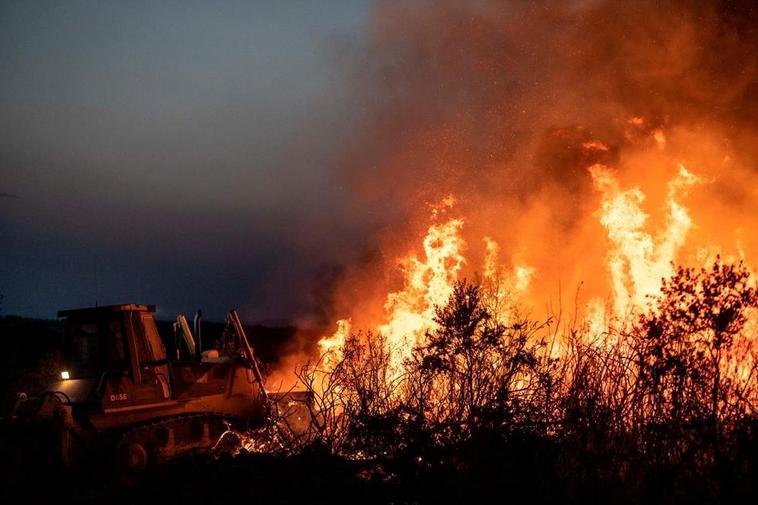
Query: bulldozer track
(165, 438)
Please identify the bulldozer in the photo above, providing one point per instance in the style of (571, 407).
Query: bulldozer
(120, 396)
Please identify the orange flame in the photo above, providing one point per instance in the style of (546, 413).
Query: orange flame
(428, 283)
(638, 261)
(641, 251)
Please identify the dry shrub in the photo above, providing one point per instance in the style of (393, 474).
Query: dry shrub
(674, 389)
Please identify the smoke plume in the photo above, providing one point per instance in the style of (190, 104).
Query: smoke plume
(505, 106)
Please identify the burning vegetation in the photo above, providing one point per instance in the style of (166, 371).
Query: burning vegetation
(621, 392)
(523, 152)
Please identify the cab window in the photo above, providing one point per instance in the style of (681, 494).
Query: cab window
(83, 344)
(118, 358)
(153, 339)
(143, 354)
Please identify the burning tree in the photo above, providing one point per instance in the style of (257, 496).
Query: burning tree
(473, 372)
(696, 365)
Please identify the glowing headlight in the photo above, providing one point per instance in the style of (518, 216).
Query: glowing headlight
(65, 375)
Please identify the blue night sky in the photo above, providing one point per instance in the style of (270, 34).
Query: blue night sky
(177, 153)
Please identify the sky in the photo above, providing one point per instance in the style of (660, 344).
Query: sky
(279, 157)
(174, 153)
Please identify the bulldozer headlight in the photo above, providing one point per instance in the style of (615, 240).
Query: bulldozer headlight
(65, 375)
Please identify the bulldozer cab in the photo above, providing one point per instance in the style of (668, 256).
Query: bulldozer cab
(117, 348)
(118, 391)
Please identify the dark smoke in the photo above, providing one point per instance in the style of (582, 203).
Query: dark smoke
(491, 101)
(482, 82)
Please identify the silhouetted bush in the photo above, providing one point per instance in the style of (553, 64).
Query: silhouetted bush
(658, 409)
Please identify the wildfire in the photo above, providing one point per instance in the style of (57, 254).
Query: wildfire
(603, 210)
(428, 282)
(637, 257)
